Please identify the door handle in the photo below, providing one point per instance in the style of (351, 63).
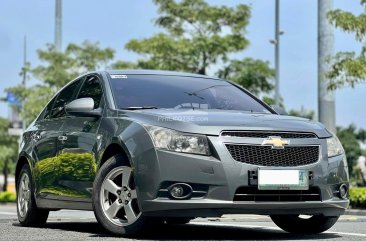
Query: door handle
(36, 137)
(62, 138)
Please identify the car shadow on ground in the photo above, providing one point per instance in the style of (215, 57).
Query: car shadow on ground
(192, 231)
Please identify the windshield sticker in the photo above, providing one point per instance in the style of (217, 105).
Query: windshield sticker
(119, 76)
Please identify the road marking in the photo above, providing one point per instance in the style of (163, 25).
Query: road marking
(8, 213)
(268, 228)
(349, 234)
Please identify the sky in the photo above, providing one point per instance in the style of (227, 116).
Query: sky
(113, 23)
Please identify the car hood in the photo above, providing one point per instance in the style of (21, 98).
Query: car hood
(212, 122)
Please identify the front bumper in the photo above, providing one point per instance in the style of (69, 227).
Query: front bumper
(221, 176)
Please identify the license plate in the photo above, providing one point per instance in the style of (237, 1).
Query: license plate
(270, 179)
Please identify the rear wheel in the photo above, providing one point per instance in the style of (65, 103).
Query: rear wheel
(306, 225)
(28, 213)
(115, 199)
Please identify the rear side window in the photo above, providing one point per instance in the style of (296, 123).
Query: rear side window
(63, 98)
(92, 89)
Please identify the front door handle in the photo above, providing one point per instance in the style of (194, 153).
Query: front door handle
(62, 138)
(36, 137)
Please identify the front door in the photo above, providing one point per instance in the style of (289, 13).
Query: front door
(79, 147)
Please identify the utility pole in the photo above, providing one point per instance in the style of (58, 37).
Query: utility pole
(58, 26)
(277, 52)
(24, 81)
(326, 98)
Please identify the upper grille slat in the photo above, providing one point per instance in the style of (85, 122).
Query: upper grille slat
(267, 156)
(266, 134)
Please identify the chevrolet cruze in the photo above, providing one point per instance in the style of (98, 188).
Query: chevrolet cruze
(136, 146)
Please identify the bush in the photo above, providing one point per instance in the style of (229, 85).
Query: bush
(7, 197)
(357, 197)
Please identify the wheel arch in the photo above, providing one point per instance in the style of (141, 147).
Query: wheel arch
(22, 160)
(113, 149)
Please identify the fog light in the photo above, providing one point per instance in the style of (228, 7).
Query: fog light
(343, 191)
(180, 191)
(177, 191)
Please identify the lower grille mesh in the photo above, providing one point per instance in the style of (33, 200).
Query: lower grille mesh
(253, 194)
(267, 156)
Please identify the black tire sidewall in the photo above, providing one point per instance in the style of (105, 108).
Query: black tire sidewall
(129, 230)
(294, 224)
(34, 216)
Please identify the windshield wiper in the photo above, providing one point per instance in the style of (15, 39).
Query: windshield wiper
(140, 108)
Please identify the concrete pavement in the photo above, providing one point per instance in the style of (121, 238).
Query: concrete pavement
(80, 225)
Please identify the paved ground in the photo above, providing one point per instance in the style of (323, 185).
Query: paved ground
(77, 225)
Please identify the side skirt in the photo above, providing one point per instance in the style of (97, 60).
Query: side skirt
(63, 204)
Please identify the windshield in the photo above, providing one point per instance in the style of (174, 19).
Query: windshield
(159, 91)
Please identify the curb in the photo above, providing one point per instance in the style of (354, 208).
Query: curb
(355, 212)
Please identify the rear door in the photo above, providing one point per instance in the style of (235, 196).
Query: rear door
(44, 138)
(78, 150)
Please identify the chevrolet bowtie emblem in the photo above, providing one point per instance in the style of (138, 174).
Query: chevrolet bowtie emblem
(276, 142)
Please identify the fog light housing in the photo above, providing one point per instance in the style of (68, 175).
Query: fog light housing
(343, 191)
(180, 191)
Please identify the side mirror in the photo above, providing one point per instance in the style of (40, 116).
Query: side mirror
(279, 110)
(83, 107)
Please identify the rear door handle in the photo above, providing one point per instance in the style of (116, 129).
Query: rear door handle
(62, 138)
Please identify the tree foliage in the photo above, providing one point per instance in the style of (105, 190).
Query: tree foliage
(196, 36)
(308, 114)
(349, 68)
(8, 150)
(251, 73)
(56, 70)
(61, 67)
(350, 137)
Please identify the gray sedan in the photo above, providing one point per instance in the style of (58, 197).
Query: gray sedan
(141, 148)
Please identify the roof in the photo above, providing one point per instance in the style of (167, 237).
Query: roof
(158, 72)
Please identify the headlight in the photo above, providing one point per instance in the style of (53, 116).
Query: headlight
(335, 147)
(179, 142)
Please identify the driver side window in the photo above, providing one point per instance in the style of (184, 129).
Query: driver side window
(92, 89)
(63, 98)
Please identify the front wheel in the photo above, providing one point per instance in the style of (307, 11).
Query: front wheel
(305, 225)
(115, 199)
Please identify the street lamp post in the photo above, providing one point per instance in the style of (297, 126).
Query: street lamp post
(326, 98)
(277, 52)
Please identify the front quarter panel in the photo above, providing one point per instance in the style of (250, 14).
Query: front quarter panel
(138, 146)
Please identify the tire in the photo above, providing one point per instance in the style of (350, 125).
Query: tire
(178, 220)
(115, 205)
(295, 224)
(28, 213)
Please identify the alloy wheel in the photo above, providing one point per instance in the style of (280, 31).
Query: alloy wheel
(118, 197)
(24, 195)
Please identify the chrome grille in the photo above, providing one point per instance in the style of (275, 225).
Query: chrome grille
(245, 194)
(267, 156)
(266, 134)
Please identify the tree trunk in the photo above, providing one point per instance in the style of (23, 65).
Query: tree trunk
(5, 172)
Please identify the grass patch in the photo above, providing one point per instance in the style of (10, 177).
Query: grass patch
(357, 197)
(7, 197)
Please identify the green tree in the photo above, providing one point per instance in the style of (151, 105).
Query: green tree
(308, 114)
(250, 73)
(349, 68)
(196, 36)
(8, 151)
(56, 70)
(61, 67)
(349, 139)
